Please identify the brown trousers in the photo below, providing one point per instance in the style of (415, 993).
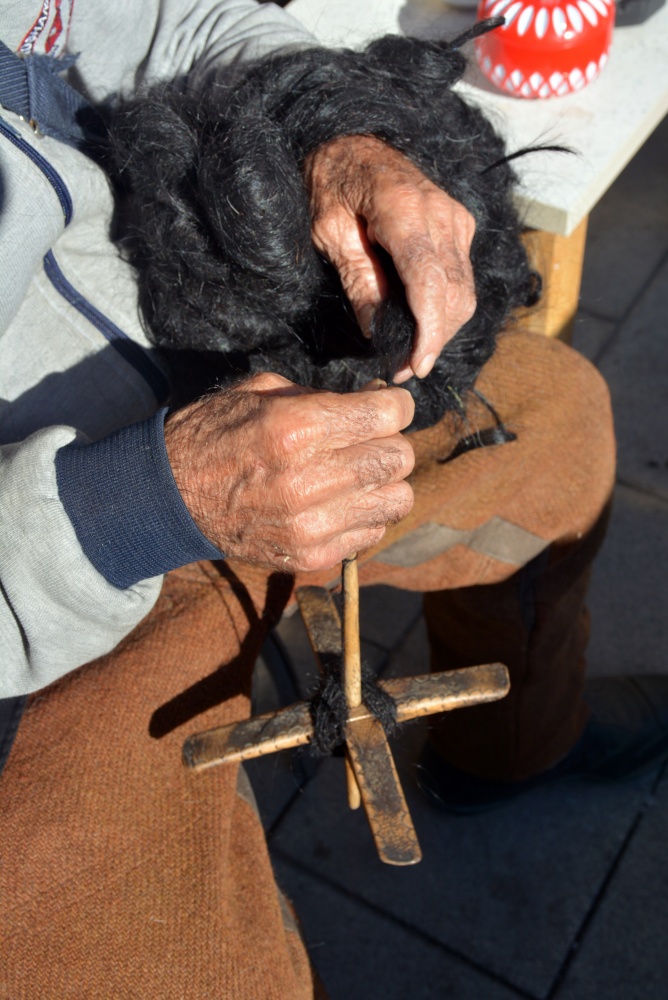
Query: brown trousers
(123, 875)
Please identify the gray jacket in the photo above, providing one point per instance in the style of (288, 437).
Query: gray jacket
(69, 323)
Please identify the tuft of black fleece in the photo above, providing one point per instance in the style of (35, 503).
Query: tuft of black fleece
(329, 709)
(220, 225)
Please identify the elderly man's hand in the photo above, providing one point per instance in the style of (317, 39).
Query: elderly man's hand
(362, 193)
(289, 478)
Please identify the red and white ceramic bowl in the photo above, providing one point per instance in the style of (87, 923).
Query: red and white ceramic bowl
(546, 48)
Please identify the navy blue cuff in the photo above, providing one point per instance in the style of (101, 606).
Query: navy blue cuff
(125, 507)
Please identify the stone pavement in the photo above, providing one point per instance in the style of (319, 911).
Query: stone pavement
(562, 895)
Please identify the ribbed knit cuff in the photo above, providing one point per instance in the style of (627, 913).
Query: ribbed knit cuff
(125, 506)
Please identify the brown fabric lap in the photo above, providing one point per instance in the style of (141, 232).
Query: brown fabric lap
(551, 483)
(125, 875)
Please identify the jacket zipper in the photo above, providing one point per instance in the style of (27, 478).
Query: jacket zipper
(132, 352)
(51, 174)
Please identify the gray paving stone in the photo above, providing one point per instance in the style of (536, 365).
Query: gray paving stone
(276, 779)
(624, 955)
(361, 954)
(387, 613)
(628, 597)
(635, 366)
(591, 334)
(628, 231)
(507, 889)
(411, 656)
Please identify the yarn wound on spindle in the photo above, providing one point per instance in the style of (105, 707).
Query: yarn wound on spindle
(217, 217)
(329, 710)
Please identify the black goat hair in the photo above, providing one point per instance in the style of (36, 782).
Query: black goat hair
(219, 225)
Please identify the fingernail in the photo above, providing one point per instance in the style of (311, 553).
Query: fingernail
(424, 366)
(375, 383)
(402, 375)
(364, 318)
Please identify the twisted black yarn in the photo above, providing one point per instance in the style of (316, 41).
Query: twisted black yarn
(329, 710)
(218, 226)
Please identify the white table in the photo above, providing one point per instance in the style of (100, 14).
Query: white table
(606, 122)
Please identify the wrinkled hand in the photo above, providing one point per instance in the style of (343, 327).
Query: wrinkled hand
(364, 192)
(285, 477)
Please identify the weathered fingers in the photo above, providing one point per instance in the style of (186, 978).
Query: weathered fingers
(323, 534)
(276, 474)
(430, 242)
(302, 426)
(346, 471)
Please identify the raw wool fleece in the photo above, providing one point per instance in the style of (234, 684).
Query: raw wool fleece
(219, 226)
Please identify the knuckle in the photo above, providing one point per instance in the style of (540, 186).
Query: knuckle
(326, 224)
(399, 504)
(380, 465)
(408, 455)
(285, 429)
(455, 214)
(312, 560)
(406, 496)
(358, 417)
(303, 563)
(403, 408)
(469, 308)
(299, 561)
(357, 280)
(358, 540)
(371, 537)
(315, 556)
(387, 505)
(266, 382)
(418, 249)
(335, 233)
(377, 517)
(454, 294)
(308, 529)
(285, 442)
(415, 193)
(460, 294)
(464, 217)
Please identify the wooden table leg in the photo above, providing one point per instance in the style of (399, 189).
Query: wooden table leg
(559, 259)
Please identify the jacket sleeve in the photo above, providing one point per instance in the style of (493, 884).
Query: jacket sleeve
(58, 611)
(87, 531)
(211, 35)
(166, 39)
(83, 549)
